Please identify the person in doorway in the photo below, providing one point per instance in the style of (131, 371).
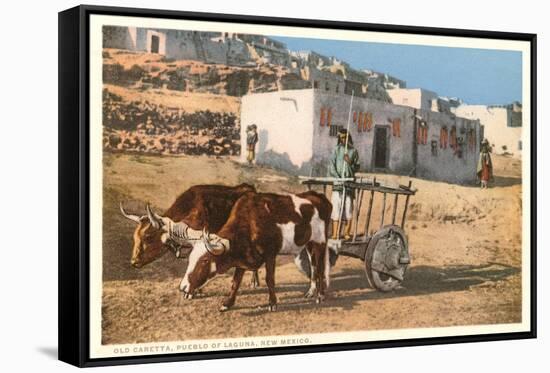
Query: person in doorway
(344, 163)
(251, 140)
(485, 165)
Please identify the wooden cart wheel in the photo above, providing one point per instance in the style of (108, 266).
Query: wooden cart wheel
(387, 258)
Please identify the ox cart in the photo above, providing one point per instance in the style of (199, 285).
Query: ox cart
(385, 251)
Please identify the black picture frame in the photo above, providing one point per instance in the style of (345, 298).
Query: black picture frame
(74, 191)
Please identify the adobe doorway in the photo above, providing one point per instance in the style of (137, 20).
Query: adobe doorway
(155, 43)
(380, 148)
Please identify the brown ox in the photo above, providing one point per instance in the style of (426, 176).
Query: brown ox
(200, 207)
(261, 226)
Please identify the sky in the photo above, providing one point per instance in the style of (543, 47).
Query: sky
(477, 76)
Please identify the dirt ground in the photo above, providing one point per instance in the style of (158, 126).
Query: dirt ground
(465, 246)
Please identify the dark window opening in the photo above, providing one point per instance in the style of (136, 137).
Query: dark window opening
(434, 147)
(334, 130)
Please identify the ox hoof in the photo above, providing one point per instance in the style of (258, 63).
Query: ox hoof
(320, 299)
(310, 293)
(272, 307)
(187, 295)
(226, 305)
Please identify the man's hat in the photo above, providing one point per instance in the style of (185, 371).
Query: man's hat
(342, 132)
(485, 141)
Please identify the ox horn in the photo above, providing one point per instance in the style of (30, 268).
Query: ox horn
(156, 220)
(183, 231)
(135, 218)
(216, 246)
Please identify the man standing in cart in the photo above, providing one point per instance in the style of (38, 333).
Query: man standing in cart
(344, 163)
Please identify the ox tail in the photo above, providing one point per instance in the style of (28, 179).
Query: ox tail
(327, 266)
(326, 220)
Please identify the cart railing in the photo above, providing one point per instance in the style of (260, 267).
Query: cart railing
(359, 186)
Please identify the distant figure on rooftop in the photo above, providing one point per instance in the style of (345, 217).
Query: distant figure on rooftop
(343, 164)
(485, 165)
(251, 140)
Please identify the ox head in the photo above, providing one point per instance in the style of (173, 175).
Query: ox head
(149, 243)
(155, 234)
(203, 262)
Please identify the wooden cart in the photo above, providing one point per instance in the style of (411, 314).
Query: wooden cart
(385, 251)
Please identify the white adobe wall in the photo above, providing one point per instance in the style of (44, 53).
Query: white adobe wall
(185, 45)
(141, 39)
(291, 136)
(443, 165)
(400, 148)
(446, 165)
(162, 41)
(325, 79)
(216, 52)
(180, 45)
(119, 37)
(427, 98)
(417, 98)
(496, 121)
(284, 120)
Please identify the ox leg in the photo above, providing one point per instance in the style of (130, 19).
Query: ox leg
(318, 268)
(312, 282)
(270, 281)
(319, 262)
(230, 300)
(255, 281)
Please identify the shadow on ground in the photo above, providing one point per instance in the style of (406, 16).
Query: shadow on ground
(505, 181)
(419, 280)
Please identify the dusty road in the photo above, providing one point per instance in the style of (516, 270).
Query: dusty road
(465, 246)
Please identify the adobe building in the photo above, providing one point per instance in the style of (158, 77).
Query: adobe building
(209, 47)
(417, 98)
(420, 98)
(267, 49)
(297, 133)
(502, 125)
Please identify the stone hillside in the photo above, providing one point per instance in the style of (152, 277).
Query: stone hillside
(160, 106)
(149, 71)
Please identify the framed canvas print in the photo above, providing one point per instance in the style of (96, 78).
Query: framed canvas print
(238, 186)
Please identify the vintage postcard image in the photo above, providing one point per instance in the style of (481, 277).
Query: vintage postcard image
(257, 186)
